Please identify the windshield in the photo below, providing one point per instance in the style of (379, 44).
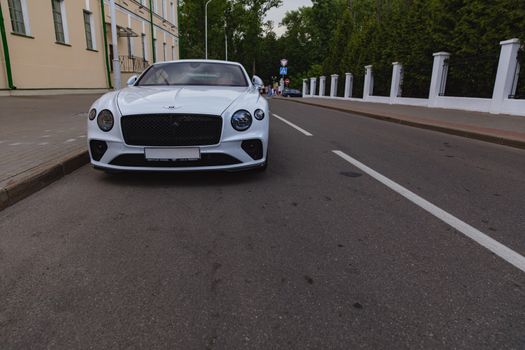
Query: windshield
(194, 73)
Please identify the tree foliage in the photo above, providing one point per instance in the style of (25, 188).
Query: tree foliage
(240, 20)
(339, 36)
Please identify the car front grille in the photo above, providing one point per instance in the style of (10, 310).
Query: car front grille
(171, 129)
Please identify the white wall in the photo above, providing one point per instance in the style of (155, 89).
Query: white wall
(498, 104)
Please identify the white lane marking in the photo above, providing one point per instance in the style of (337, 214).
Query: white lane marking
(293, 125)
(479, 237)
(15, 144)
(43, 143)
(82, 136)
(69, 140)
(45, 136)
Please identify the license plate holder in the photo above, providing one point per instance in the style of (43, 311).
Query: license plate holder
(166, 154)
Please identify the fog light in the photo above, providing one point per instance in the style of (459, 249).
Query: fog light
(241, 120)
(98, 148)
(105, 120)
(254, 148)
(92, 114)
(259, 114)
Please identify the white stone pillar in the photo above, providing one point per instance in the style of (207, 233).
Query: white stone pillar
(349, 82)
(313, 86)
(333, 85)
(368, 88)
(305, 87)
(439, 77)
(322, 84)
(397, 80)
(506, 75)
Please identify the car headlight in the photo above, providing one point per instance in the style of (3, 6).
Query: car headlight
(105, 120)
(92, 114)
(241, 120)
(259, 114)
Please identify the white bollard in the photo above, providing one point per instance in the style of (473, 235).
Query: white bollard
(313, 87)
(368, 88)
(439, 77)
(506, 74)
(322, 84)
(349, 82)
(305, 87)
(333, 85)
(397, 81)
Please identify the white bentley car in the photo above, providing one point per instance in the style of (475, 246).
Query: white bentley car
(182, 116)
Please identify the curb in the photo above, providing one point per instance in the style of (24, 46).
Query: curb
(458, 132)
(41, 177)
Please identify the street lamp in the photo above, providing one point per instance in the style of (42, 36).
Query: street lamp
(206, 26)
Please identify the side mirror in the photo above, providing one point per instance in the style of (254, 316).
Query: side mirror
(132, 80)
(257, 82)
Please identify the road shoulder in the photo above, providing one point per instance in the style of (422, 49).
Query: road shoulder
(498, 136)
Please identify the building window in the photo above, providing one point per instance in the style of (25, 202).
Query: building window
(143, 41)
(164, 9)
(89, 31)
(173, 52)
(164, 49)
(57, 18)
(16, 11)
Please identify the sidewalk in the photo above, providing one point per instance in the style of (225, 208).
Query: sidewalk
(502, 129)
(41, 139)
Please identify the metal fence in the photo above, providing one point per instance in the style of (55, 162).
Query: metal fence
(382, 73)
(132, 64)
(358, 86)
(471, 76)
(416, 79)
(519, 76)
(328, 85)
(341, 85)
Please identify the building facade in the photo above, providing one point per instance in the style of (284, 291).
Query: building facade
(66, 45)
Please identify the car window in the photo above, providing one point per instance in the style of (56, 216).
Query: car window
(194, 73)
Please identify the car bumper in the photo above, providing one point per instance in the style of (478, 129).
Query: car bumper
(228, 155)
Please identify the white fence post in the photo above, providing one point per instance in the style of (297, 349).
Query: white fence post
(313, 86)
(368, 88)
(397, 80)
(439, 77)
(349, 81)
(506, 75)
(333, 85)
(322, 84)
(305, 87)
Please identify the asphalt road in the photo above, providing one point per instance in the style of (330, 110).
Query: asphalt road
(312, 254)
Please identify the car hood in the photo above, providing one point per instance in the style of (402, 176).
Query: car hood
(183, 99)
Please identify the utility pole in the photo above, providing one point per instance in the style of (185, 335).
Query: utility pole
(206, 26)
(226, 39)
(114, 39)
